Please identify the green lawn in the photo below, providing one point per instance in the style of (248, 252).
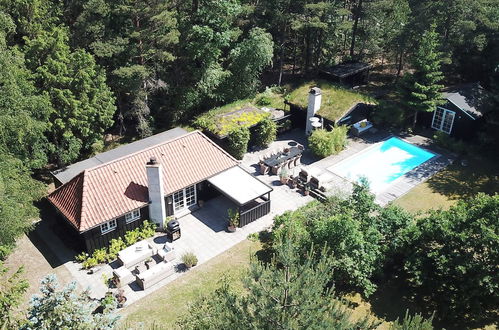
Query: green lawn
(336, 100)
(453, 183)
(174, 298)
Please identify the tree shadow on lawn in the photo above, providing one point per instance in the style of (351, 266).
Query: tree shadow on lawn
(459, 182)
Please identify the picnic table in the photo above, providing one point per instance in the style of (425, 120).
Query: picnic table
(282, 157)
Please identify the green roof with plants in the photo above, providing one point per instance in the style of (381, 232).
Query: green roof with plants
(336, 100)
(220, 121)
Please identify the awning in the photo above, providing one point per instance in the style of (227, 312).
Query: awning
(239, 185)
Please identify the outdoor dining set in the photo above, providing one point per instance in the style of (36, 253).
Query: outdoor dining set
(277, 160)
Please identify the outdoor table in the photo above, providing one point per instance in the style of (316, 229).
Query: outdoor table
(282, 157)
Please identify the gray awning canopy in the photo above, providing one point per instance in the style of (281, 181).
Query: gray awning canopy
(239, 185)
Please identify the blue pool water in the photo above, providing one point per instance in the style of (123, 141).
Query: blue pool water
(382, 163)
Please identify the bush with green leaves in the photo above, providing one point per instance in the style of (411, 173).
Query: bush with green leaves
(189, 259)
(325, 143)
(446, 141)
(132, 236)
(265, 132)
(147, 229)
(237, 142)
(115, 246)
(321, 143)
(100, 255)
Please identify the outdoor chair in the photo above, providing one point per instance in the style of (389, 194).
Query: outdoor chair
(297, 161)
(285, 150)
(290, 163)
(276, 169)
(261, 159)
(264, 169)
(301, 147)
(303, 177)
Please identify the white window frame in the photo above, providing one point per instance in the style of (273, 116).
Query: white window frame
(181, 198)
(132, 216)
(440, 126)
(108, 226)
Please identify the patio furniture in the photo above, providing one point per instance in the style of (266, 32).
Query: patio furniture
(321, 180)
(136, 253)
(155, 274)
(298, 160)
(301, 147)
(291, 163)
(276, 169)
(167, 253)
(123, 276)
(282, 158)
(361, 126)
(264, 169)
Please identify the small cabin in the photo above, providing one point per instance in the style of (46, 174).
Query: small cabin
(462, 114)
(348, 73)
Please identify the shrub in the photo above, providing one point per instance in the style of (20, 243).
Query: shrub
(233, 217)
(265, 132)
(321, 143)
(82, 257)
(444, 140)
(324, 143)
(116, 246)
(189, 259)
(89, 263)
(100, 255)
(339, 137)
(132, 236)
(147, 230)
(237, 142)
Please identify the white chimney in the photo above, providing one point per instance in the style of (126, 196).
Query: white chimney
(157, 210)
(314, 104)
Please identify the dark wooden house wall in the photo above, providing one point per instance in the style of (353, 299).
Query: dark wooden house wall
(464, 127)
(94, 239)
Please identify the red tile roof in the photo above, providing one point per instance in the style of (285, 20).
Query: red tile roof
(112, 189)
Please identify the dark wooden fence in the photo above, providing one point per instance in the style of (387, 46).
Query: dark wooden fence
(254, 213)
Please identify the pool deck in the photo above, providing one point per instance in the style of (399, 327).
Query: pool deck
(355, 145)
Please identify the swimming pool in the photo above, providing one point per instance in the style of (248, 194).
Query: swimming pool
(383, 163)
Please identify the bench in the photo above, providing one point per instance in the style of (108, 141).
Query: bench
(361, 126)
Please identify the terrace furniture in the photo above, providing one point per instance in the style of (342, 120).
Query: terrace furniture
(155, 274)
(320, 181)
(297, 160)
(264, 169)
(167, 253)
(136, 253)
(123, 276)
(276, 169)
(282, 158)
(361, 126)
(291, 163)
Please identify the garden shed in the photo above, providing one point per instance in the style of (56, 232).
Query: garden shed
(462, 114)
(349, 73)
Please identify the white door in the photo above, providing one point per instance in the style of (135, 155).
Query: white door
(184, 198)
(443, 120)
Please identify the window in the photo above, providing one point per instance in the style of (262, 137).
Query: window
(443, 120)
(106, 227)
(184, 198)
(132, 216)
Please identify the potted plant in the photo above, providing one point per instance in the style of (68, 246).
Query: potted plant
(233, 220)
(120, 298)
(284, 176)
(200, 203)
(306, 189)
(189, 259)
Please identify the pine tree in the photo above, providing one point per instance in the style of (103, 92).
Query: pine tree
(421, 89)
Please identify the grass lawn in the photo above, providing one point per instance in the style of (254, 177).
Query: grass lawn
(453, 183)
(174, 298)
(336, 100)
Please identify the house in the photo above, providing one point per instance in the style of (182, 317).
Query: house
(166, 175)
(462, 114)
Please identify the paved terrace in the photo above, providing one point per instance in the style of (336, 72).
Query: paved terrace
(204, 231)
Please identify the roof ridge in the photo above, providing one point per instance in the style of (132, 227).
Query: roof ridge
(83, 190)
(140, 151)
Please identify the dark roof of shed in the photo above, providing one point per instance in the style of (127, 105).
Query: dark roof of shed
(468, 97)
(344, 70)
(67, 173)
